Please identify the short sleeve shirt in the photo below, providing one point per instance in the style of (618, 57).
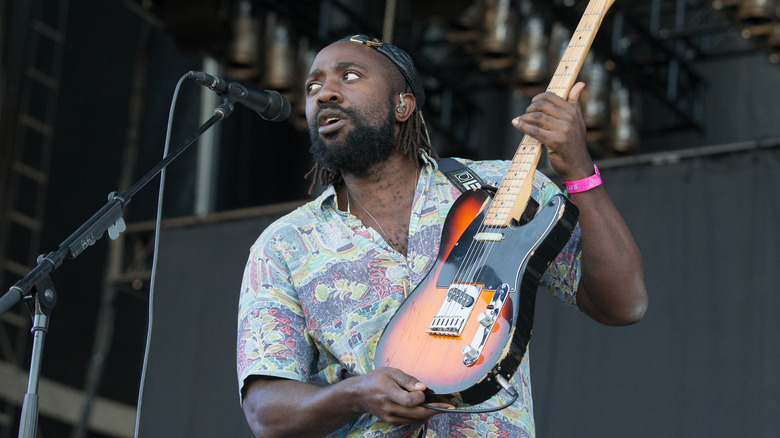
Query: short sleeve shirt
(319, 288)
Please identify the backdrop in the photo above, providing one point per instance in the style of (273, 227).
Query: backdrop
(702, 363)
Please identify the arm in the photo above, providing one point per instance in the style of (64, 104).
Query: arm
(277, 407)
(612, 289)
(272, 340)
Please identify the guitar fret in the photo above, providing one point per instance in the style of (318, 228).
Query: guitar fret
(529, 151)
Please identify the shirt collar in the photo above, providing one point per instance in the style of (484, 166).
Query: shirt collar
(327, 199)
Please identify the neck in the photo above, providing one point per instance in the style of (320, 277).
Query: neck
(382, 198)
(380, 184)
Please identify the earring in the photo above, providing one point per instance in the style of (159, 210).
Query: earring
(402, 106)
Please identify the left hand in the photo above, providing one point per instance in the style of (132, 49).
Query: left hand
(558, 124)
(611, 261)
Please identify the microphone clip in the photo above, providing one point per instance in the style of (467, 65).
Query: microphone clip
(268, 104)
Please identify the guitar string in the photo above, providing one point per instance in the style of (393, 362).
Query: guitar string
(473, 262)
(479, 252)
(578, 54)
(472, 265)
(482, 252)
(475, 258)
(460, 276)
(526, 167)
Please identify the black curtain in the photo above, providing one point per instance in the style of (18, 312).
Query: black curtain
(191, 385)
(702, 363)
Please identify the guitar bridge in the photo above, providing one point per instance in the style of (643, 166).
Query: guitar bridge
(487, 320)
(455, 310)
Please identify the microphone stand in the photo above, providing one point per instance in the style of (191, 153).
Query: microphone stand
(37, 288)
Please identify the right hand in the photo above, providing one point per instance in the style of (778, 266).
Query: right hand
(393, 396)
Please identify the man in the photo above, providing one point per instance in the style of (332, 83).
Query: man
(322, 282)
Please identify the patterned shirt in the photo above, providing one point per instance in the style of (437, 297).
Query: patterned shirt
(319, 288)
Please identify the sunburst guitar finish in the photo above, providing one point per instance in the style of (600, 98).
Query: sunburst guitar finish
(467, 325)
(503, 269)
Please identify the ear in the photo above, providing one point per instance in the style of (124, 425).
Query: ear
(405, 105)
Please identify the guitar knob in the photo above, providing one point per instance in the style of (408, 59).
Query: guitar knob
(486, 318)
(470, 354)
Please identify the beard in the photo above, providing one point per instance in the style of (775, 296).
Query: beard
(367, 145)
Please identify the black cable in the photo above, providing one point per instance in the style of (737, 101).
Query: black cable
(510, 389)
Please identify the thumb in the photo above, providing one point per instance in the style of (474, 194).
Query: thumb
(576, 91)
(408, 382)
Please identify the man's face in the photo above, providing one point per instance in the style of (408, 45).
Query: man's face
(349, 108)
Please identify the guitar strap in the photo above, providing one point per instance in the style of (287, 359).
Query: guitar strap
(461, 175)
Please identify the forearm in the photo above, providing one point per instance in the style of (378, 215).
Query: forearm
(288, 408)
(612, 289)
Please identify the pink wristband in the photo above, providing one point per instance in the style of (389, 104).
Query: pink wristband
(583, 185)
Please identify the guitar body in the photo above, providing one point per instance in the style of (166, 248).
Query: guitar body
(478, 272)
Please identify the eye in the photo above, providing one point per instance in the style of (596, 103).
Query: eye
(351, 76)
(312, 87)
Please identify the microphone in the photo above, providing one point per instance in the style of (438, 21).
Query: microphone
(269, 104)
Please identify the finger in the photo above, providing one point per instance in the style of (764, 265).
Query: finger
(416, 413)
(547, 100)
(407, 382)
(532, 130)
(547, 110)
(540, 96)
(406, 391)
(441, 405)
(575, 93)
(540, 120)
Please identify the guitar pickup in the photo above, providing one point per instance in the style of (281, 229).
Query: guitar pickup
(461, 297)
(455, 309)
(488, 237)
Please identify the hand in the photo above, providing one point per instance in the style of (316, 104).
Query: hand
(394, 396)
(558, 124)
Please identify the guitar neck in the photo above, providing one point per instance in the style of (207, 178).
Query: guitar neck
(511, 199)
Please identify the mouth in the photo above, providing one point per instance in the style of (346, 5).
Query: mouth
(330, 121)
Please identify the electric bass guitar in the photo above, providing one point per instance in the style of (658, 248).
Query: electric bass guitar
(464, 330)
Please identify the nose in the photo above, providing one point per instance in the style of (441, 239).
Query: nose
(329, 92)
